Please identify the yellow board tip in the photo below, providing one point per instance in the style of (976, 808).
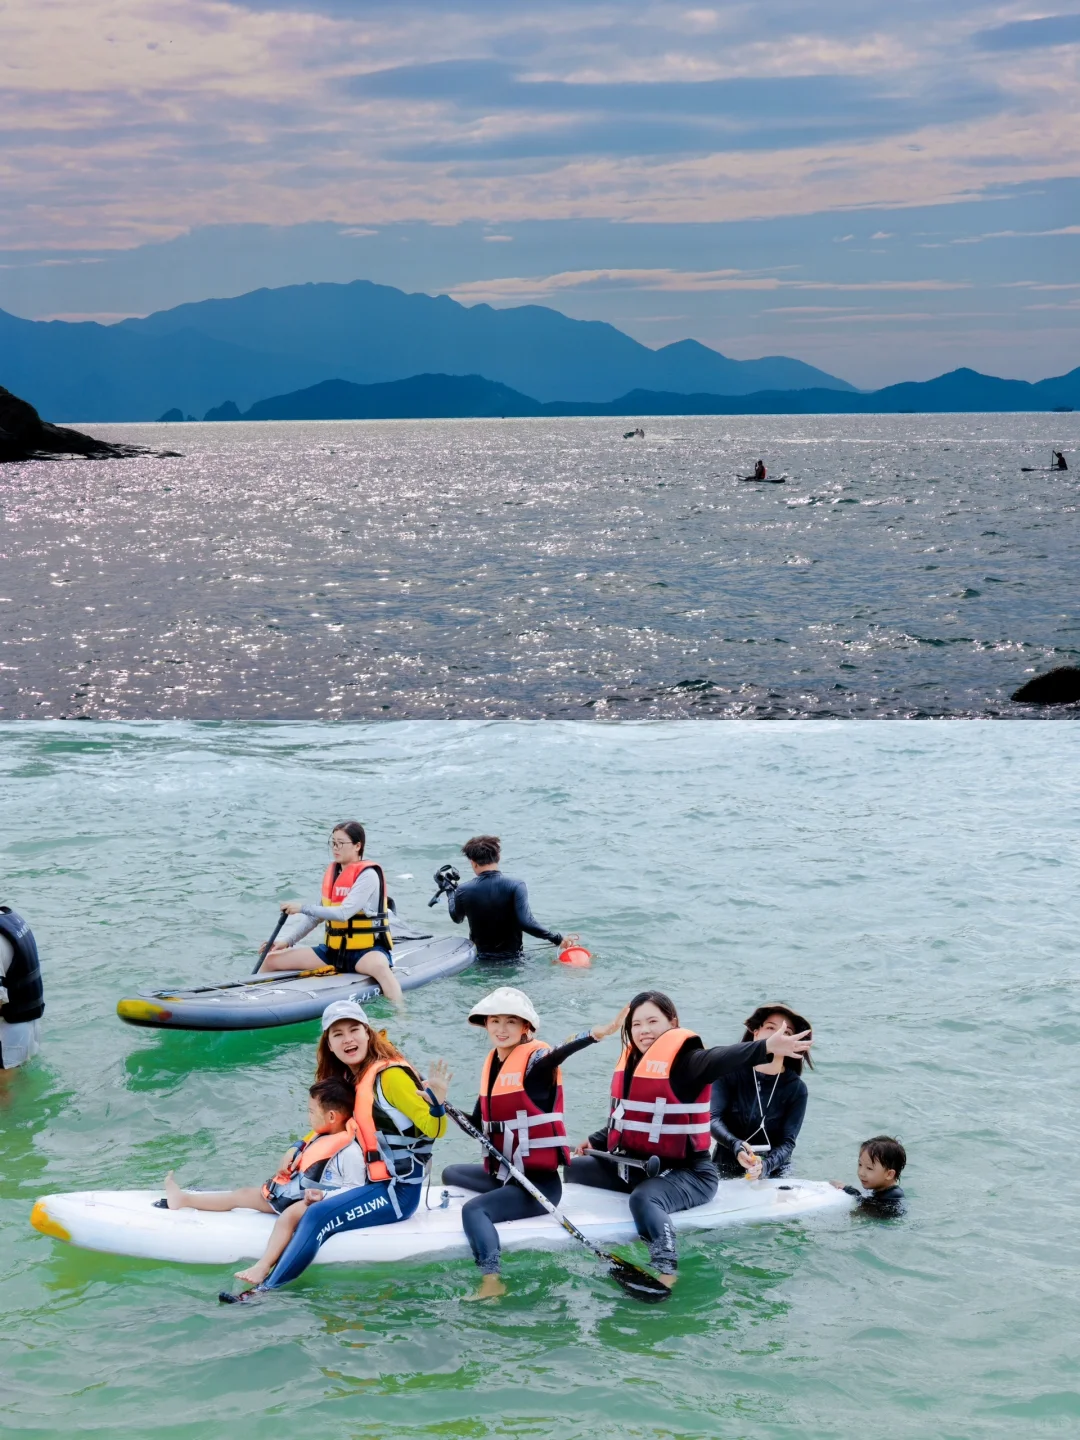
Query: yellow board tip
(142, 1012)
(41, 1220)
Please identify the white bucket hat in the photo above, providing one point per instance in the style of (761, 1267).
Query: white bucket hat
(343, 1010)
(505, 1001)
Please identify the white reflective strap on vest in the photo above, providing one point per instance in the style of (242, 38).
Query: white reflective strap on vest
(393, 1147)
(658, 1111)
(516, 1137)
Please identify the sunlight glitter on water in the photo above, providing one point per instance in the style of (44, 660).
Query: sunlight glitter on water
(542, 568)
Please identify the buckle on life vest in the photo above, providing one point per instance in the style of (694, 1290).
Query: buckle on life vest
(371, 1156)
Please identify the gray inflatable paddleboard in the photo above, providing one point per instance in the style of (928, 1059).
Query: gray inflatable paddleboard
(289, 997)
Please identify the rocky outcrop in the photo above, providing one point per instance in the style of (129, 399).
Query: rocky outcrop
(25, 436)
(227, 411)
(170, 417)
(1056, 687)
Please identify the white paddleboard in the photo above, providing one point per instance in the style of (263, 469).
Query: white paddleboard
(126, 1222)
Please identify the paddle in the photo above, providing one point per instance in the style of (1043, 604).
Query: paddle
(266, 948)
(651, 1166)
(633, 1279)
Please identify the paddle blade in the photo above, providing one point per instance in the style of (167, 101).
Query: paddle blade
(638, 1282)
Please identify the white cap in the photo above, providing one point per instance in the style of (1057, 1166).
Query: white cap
(343, 1010)
(507, 1000)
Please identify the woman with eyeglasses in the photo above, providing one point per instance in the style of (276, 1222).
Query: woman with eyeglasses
(355, 911)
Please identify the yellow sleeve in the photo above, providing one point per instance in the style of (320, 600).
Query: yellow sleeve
(400, 1090)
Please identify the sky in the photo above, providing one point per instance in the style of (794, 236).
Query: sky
(885, 191)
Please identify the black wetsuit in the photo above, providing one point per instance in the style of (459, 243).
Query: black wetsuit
(501, 1200)
(882, 1204)
(497, 909)
(736, 1107)
(682, 1184)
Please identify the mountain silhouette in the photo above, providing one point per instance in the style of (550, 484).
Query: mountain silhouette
(276, 341)
(473, 397)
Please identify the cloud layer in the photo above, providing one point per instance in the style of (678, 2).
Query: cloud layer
(129, 122)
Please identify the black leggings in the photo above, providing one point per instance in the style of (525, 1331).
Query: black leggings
(495, 1204)
(652, 1202)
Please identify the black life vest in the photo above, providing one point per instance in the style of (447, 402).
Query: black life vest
(26, 998)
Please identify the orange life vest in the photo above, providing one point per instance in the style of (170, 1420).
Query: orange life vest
(360, 931)
(650, 1119)
(315, 1147)
(379, 1135)
(528, 1136)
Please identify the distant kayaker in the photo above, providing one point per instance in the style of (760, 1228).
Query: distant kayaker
(496, 906)
(657, 1136)
(1059, 461)
(355, 911)
(22, 999)
(756, 1114)
(760, 473)
(520, 1108)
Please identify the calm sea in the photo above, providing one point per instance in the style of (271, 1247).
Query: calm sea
(912, 888)
(543, 568)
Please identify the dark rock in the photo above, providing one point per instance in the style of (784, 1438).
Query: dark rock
(25, 436)
(1056, 687)
(170, 416)
(229, 411)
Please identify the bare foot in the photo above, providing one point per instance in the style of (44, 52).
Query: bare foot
(668, 1280)
(254, 1275)
(491, 1287)
(173, 1193)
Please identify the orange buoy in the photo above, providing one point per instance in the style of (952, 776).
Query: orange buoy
(572, 952)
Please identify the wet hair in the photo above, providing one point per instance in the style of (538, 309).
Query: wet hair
(329, 1067)
(483, 849)
(648, 997)
(334, 1094)
(355, 831)
(886, 1151)
(798, 1024)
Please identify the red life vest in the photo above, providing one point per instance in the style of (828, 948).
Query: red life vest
(651, 1119)
(529, 1137)
(360, 931)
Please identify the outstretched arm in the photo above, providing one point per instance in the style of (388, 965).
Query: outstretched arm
(527, 920)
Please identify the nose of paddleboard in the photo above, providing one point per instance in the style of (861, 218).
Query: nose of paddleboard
(143, 1012)
(41, 1220)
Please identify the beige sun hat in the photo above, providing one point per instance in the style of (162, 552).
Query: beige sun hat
(507, 1000)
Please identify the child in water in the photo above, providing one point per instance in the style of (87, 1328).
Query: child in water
(881, 1163)
(307, 1175)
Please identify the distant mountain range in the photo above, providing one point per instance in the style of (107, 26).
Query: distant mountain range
(423, 397)
(271, 342)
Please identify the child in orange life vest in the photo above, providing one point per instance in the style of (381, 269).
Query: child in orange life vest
(520, 1108)
(326, 1159)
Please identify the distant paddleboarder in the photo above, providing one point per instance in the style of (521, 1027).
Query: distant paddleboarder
(760, 473)
(1058, 461)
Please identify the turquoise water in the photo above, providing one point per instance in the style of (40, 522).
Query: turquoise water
(912, 887)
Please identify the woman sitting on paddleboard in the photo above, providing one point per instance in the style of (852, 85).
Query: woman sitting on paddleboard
(757, 1112)
(657, 1139)
(355, 910)
(520, 1108)
(397, 1117)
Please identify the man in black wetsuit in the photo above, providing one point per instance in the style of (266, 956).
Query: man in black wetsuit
(496, 907)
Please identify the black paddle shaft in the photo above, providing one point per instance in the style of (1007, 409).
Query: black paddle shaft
(266, 948)
(632, 1278)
